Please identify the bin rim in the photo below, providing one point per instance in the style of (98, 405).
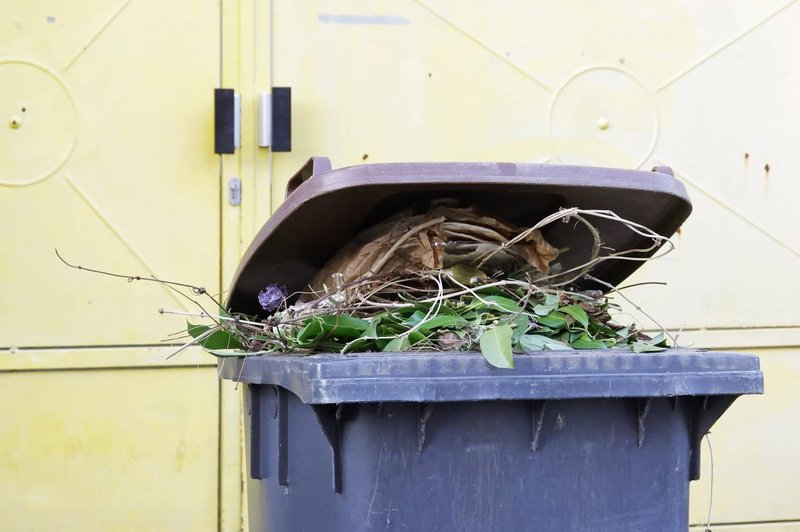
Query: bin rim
(465, 376)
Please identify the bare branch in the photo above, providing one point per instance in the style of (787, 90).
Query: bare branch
(197, 290)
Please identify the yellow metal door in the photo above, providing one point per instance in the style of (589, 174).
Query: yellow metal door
(106, 153)
(707, 88)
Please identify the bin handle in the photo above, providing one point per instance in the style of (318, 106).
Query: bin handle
(664, 170)
(314, 166)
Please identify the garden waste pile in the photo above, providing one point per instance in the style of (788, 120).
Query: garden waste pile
(444, 277)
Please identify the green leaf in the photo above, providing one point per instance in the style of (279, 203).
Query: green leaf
(660, 340)
(466, 275)
(532, 342)
(196, 330)
(233, 353)
(311, 332)
(221, 339)
(551, 299)
(484, 291)
(443, 322)
(391, 329)
(521, 325)
(416, 337)
(543, 310)
(389, 317)
(653, 345)
(381, 343)
(496, 346)
(329, 347)
(537, 342)
(343, 326)
(470, 315)
(598, 328)
(503, 303)
(372, 330)
(574, 335)
(357, 345)
(584, 341)
(397, 344)
(555, 319)
(218, 339)
(414, 319)
(645, 347)
(577, 313)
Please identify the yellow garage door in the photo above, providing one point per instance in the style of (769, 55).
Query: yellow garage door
(709, 88)
(106, 153)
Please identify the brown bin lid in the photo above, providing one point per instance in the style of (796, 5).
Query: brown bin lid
(325, 208)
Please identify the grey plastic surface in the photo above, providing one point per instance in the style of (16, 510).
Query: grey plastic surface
(458, 376)
(575, 441)
(325, 208)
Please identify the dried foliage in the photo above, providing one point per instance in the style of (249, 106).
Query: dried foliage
(448, 279)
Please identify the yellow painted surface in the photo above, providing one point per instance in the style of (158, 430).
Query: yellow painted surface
(244, 66)
(112, 164)
(755, 448)
(111, 161)
(109, 450)
(102, 358)
(106, 153)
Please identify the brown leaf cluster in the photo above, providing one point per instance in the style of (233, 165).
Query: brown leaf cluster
(444, 236)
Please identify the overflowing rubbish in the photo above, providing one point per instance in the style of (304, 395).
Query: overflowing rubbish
(446, 277)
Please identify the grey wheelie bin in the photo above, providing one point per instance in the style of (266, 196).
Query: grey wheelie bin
(587, 440)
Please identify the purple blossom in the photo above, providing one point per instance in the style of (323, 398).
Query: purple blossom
(272, 297)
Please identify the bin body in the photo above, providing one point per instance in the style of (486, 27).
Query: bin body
(440, 441)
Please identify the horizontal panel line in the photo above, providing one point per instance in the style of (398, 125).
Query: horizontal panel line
(87, 346)
(741, 328)
(745, 523)
(108, 368)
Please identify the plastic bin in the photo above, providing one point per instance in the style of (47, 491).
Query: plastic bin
(589, 440)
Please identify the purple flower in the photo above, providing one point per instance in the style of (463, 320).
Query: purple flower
(272, 297)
